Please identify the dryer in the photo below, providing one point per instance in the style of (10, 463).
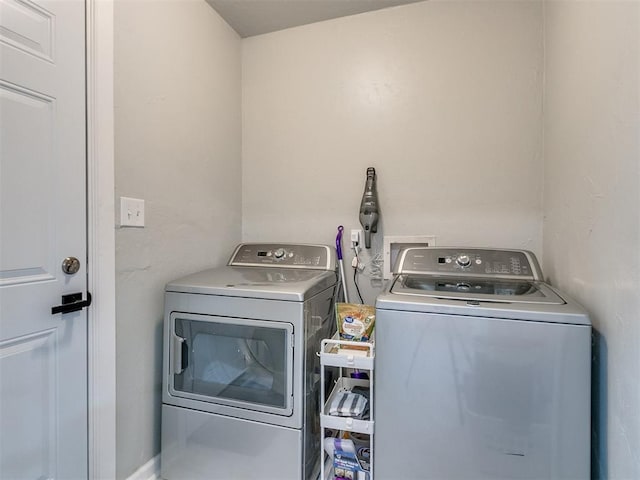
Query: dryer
(240, 370)
(482, 370)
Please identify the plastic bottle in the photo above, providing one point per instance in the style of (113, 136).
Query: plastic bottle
(344, 444)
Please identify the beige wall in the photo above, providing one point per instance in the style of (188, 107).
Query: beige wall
(177, 127)
(592, 203)
(443, 98)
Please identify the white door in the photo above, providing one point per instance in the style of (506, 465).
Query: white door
(43, 356)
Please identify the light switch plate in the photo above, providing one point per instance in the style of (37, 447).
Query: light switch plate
(131, 212)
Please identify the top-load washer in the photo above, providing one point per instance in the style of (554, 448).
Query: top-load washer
(482, 370)
(240, 371)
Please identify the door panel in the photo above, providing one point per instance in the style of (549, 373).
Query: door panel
(27, 27)
(43, 357)
(31, 450)
(508, 397)
(28, 254)
(193, 448)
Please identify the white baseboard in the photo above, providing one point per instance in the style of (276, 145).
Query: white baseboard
(148, 471)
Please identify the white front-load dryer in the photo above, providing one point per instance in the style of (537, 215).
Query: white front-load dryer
(240, 371)
(482, 370)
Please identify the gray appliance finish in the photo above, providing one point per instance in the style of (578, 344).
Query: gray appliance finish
(240, 371)
(483, 371)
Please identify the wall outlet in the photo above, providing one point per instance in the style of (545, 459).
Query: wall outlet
(356, 236)
(131, 212)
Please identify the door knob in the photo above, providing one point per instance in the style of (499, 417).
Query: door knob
(70, 265)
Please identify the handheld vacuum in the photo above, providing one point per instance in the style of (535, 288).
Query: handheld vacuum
(369, 211)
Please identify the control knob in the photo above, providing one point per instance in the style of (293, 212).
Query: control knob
(279, 253)
(463, 260)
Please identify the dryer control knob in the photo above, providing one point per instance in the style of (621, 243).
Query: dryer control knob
(463, 260)
(279, 253)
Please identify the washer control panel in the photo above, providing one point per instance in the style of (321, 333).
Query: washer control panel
(282, 255)
(520, 264)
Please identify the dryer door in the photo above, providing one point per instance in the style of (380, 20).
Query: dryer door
(237, 362)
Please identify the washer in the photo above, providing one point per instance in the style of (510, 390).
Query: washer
(240, 371)
(483, 371)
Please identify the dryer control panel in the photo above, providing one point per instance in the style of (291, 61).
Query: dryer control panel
(460, 261)
(284, 255)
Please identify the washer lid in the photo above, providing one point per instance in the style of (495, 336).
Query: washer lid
(475, 289)
(256, 282)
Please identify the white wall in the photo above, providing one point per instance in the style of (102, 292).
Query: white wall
(592, 203)
(177, 129)
(443, 98)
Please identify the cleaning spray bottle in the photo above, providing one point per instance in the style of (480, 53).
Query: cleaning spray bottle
(369, 211)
